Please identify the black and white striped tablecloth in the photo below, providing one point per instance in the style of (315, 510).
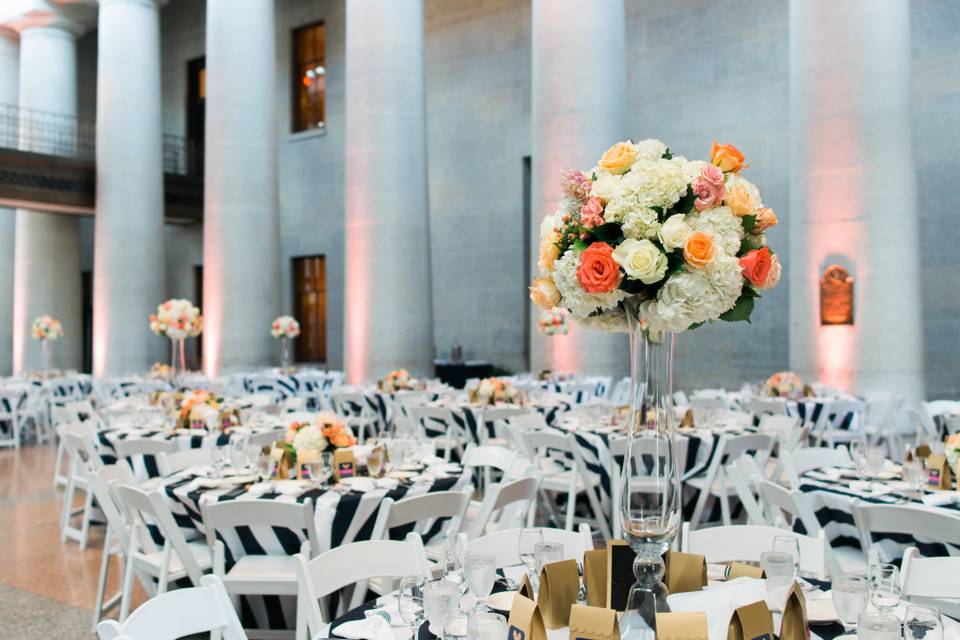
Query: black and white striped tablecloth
(468, 418)
(832, 502)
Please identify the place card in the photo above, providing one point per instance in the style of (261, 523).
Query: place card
(559, 587)
(682, 626)
(593, 623)
(687, 422)
(305, 457)
(743, 570)
(344, 464)
(685, 572)
(794, 624)
(619, 574)
(526, 589)
(751, 622)
(938, 472)
(280, 457)
(595, 576)
(526, 621)
(922, 451)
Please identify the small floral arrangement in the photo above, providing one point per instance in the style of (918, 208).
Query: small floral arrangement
(553, 322)
(324, 433)
(951, 449)
(199, 409)
(399, 380)
(494, 391)
(177, 319)
(47, 328)
(285, 327)
(161, 371)
(784, 384)
(674, 242)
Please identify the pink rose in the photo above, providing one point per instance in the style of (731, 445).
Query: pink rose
(712, 174)
(591, 214)
(708, 188)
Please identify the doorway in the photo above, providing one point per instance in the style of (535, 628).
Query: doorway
(310, 307)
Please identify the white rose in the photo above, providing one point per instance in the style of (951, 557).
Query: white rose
(642, 260)
(674, 232)
(606, 186)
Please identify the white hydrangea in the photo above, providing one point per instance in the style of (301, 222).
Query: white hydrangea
(606, 186)
(649, 149)
(719, 222)
(573, 297)
(550, 222)
(641, 223)
(309, 438)
(658, 183)
(696, 296)
(692, 168)
(726, 280)
(611, 321)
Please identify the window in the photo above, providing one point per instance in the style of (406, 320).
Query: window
(310, 308)
(309, 77)
(196, 113)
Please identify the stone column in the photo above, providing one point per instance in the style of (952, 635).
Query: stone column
(128, 274)
(47, 256)
(389, 317)
(579, 109)
(241, 268)
(853, 194)
(9, 79)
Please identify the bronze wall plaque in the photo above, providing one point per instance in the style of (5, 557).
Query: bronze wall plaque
(836, 296)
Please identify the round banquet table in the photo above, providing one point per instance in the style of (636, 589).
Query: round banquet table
(469, 419)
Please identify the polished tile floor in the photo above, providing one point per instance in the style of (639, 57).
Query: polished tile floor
(47, 587)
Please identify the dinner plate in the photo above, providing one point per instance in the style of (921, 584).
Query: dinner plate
(501, 601)
(402, 475)
(290, 487)
(821, 611)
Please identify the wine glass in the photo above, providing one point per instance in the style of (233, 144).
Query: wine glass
(545, 553)
(487, 625)
(885, 587)
(410, 601)
(529, 539)
(922, 623)
(439, 597)
(238, 454)
(218, 459)
(858, 453)
(264, 467)
(874, 625)
(789, 546)
(375, 462)
(850, 593)
(481, 573)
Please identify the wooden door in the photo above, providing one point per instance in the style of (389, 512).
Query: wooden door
(310, 307)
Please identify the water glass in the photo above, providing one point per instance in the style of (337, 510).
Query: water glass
(487, 625)
(545, 553)
(529, 539)
(876, 457)
(218, 459)
(885, 587)
(858, 453)
(914, 475)
(439, 598)
(481, 573)
(264, 467)
(410, 601)
(922, 623)
(375, 462)
(873, 625)
(790, 547)
(238, 453)
(850, 593)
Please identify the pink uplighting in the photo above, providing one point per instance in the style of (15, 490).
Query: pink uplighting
(358, 286)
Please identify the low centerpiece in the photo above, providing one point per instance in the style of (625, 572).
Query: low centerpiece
(650, 243)
(161, 371)
(493, 391)
(46, 329)
(951, 449)
(553, 322)
(201, 409)
(177, 319)
(784, 384)
(326, 432)
(285, 329)
(399, 380)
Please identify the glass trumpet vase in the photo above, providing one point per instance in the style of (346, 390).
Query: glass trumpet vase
(178, 360)
(650, 507)
(285, 354)
(46, 357)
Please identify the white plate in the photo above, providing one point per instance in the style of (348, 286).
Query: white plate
(501, 601)
(290, 487)
(821, 611)
(401, 475)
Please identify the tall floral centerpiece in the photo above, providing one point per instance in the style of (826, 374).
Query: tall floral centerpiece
(46, 329)
(653, 244)
(553, 322)
(784, 384)
(285, 329)
(177, 319)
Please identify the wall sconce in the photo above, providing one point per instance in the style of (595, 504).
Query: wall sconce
(836, 296)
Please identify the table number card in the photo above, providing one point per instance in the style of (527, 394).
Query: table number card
(619, 574)
(344, 464)
(938, 472)
(751, 622)
(559, 586)
(595, 577)
(526, 621)
(685, 572)
(682, 626)
(593, 623)
(794, 625)
(279, 454)
(308, 456)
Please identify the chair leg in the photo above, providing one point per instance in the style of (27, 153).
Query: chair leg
(126, 588)
(102, 581)
(86, 516)
(724, 508)
(571, 507)
(67, 504)
(698, 509)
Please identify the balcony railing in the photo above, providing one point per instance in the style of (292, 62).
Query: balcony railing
(67, 136)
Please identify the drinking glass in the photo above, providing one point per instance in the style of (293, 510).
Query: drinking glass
(885, 587)
(873, 625)
(439, 597)
(850, 593)
(913, 474)
(487, 625)
(410, 601)
(375, 462)
(790, 547)
(218, 458)
(455, 557)
(529, 539)
(238, 454)
(922, 623)
(264, 467)
(481, 573)
(876, 456)
(858, 452)
(545, 553)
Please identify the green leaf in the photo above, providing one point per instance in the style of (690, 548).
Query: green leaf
(579, 245)
(749, 243)
(674, 263)
(748, 223)
(631, 286)
(740, 311)
(608, 232)
(667, 155)
(593, 176)
(749, 291)
(695, 325)
(685, 204)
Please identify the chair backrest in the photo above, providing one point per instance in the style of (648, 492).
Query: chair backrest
(78, 441)
(296, 517)
(352, 563)
(513, 500)
(742, 485)
(703, 403)
(915, 521)
(839, 411)
(180, 460)
(929, 577)
(778, 424)
(265, 438)
(350, 404)
(128, 448)
(745, 543)
(505, 545)
(799, 461)
(765, 407)
(423, 510)
(488, 455)
(178, 614)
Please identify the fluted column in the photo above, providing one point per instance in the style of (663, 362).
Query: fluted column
(579, 109)
(9, 78)
(241, 268)
(389, 318)
(853, 193)
(128, 274)
(47, 255)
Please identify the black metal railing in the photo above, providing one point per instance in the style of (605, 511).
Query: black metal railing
(68, 136)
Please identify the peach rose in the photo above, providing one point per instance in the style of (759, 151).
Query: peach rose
(591, 214)
(739, 201)
(773, 276)
(342, 440)
(756, 266)
(766, 218)
(727, 157)
(598, 271)
(699, 251)
(618, 158)
(544, 293)
(549, 251)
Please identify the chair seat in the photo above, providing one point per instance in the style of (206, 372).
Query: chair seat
(154, 560)
(263, 574)
(561, 481)
(850, 559)
(699, 482)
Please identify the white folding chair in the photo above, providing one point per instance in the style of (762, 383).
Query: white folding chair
(505, 545)
(707, 403)
(180, 460)
(765, 407)
(799, 461)
(743, 487)
(84, 460)
(265, 438)
(836, 413)
(931, 578)
(620, 395)
(356, 412)
(432, 419)
(495, 416)
(745, 543)
(513, 501)
(347, 565)
(132, 450)
(424, 510)
(713, 485)
(487, 458)
(180, 614)
(115, 538)
(9, 405)
(914, 521)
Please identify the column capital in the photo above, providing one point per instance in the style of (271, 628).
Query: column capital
(73, 18)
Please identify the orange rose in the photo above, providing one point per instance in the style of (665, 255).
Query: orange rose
(598, 271)
(342, 440)
(766, 218)
(544, 293)
(727, 157)
(739, 201)
(699, 251)
(549, 251)
(618, 158)
(756, 266)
